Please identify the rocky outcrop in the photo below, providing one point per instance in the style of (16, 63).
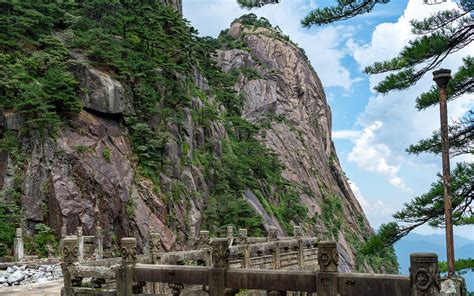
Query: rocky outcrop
(86, 178)
(99, 91)
(176, 4)
(291, 95)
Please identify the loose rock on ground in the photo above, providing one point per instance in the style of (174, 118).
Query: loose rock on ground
(22, 275)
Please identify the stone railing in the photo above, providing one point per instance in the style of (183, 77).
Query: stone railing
(221, 279)
(224, 266)
(89, 246)
(271, 252)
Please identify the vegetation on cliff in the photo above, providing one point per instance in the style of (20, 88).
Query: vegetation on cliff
(156, 55)
(158, 58)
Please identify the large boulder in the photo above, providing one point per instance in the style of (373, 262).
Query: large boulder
(16, 277)
(100, 91)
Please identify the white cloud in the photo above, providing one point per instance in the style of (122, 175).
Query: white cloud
(372, 156)
(373, 210)
(381, 146)
(345, 134)
(322, 44)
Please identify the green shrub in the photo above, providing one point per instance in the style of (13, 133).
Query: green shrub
(106, 152)
(9, 221)
(42, 238)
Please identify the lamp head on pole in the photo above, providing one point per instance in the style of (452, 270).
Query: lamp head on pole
(442, 77)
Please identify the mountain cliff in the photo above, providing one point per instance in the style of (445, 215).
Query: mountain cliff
(121, 117)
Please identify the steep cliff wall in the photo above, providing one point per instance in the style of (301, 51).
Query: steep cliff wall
(201, 132)
(288, 94)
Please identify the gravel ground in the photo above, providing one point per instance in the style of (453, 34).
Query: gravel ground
(52, 288)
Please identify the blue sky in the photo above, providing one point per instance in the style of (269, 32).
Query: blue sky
(370, 131)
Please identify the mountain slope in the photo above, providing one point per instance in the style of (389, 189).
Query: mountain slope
(158, 128)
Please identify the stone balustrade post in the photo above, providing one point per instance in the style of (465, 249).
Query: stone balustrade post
(192, 238)
(204, 240)
(80, 244)
(220, 262)
(70, 252)
(230, 234)
(424, 274)
(99, 243)
(242, 237)
(298, 232)
(272, 234)
(124, 274)
(63, 236)
(328, 260)
(155, 250)
(18, 246)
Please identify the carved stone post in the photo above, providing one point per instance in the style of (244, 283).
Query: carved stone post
(272, 234)
(80, 244)
(19, 249)
(242, 236)
(298, 232)
(155, 249)
(230, 234)
(70, 254)
(99, 243)
(230, 231)
(328, 260)
(192, 238)
(220, 262)
(204, 240)
(424, 274)
(63, 236)
(125, 271)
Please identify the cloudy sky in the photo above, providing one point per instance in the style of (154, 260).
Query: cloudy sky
(370, 131)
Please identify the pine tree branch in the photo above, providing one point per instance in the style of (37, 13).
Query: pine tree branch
(428, 208)
(345, 9)
(436, 22)
(428, 51)
(461, 139)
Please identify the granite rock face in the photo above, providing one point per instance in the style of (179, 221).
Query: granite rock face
(88, 175)
(100, 92)
(290, 89)
(176, 4)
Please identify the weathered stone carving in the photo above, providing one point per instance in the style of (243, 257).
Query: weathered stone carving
(272, 234)
(70, 249)
(155, 243)
(298, 232)
(242, 237)
(220, 254)
(129, 250)
(204, 240)
(230, 231)
(328, 257)
(424, 274)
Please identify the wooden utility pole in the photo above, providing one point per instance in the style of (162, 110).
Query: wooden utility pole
(442, 77)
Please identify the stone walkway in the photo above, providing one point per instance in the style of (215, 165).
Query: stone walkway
(52, 288)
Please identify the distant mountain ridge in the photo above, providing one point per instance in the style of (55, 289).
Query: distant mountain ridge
(434, 243)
